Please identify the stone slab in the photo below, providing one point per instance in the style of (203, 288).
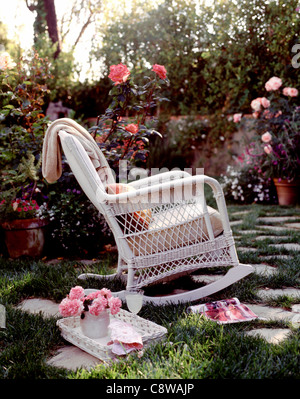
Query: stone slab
(73, 358)
(36, 305)
(269, 313)
(260, 238)
(274, 228)
(236, 222)
(264, 269)
(270, 293)
(246, 249)
(271, 335)
(293, 226)
(288, 246)
(277, 219)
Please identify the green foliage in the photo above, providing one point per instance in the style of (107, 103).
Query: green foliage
(22, 127)
(76, 226)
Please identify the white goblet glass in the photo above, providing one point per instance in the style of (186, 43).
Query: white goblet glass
(134, 300)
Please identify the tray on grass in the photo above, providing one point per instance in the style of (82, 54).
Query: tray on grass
(71, 332)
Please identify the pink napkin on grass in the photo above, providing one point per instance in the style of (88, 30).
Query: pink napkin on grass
(124, 338)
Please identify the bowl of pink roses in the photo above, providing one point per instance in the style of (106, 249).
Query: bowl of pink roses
(93, 309)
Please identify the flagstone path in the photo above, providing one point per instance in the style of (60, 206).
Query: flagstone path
(72, 358)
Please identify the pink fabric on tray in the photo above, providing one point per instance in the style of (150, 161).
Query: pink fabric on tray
(124, 338)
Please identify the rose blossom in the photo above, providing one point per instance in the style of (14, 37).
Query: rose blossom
(119, 73)
(132, 128)
(70, 307)
(76, 292)
(265, 102)
(160, 70)
(266, 137)
(256, 104)
(268, 149)
(98, 305)
(237, 118)
(273, 84)
(6, 62)
(105, 292)
(114, 303)
(290, 91)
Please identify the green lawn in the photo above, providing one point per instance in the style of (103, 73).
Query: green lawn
(195, 348)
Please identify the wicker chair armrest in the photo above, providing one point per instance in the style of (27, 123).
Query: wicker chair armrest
(188, 186)
(159, 178)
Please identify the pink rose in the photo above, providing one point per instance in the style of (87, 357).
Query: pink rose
(265, 102)
(76, 293)
(119, 73)
(70, 307)
(290, 91)
(237, 118)
(256, 104)
(98, 305)
(160, 70)
(268, 149)
(266, 137)
(105, 292)
(132, 128)
(114, 304)
(273, 84)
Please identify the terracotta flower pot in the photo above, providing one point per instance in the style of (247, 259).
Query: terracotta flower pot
(287, 192)
(25, 237)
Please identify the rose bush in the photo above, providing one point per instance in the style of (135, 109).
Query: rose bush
(125, 129)
(274, 150)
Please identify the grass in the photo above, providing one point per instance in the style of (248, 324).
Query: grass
(195, 347)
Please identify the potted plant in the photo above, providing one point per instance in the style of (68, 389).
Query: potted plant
(24, 221)
(93, 309)
(273, 152)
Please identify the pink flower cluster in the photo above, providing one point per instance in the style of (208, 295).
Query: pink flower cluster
(275, 83)
(262, 103)
(76, 301)
(120, 73)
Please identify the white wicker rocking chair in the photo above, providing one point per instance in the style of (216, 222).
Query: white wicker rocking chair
(161, 224)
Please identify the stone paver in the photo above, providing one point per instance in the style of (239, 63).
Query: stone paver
(260, 238)
(288, 246)
(276, 219)
(249, 231)
(73, 358)
(268, 293)
(271, 335)
(236, 222)
(274, 228)
(246, 249)
(293, 226)
(264, 269)
(36, 305)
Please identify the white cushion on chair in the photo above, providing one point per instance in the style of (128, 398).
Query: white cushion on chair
(175, 228)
